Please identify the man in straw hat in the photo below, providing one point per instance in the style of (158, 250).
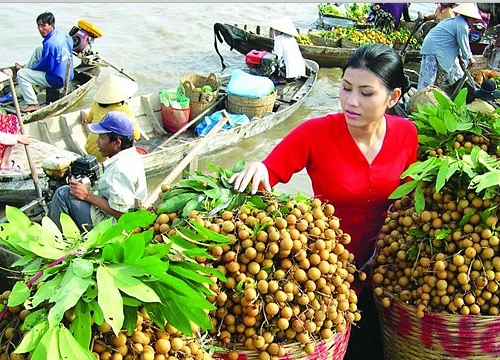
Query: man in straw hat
(121, 186)
(110, 96)
(445, 43)
(287, 49)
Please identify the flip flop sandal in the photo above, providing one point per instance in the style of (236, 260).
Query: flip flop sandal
(15, 166)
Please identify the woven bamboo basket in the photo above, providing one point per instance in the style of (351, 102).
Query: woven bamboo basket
(423, 96)
(436, 336)
(251, 107)
(193, 82)
(331, 349)
(197, 108)
(323, 41)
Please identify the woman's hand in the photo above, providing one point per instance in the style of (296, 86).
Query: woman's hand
(83, 117)
(23, 139)
(255, 172)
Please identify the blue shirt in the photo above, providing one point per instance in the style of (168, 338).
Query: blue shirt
(56, 52)
(448, 39)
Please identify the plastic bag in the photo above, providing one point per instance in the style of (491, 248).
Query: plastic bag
(249, 86)
(209, 122)
(176, 100)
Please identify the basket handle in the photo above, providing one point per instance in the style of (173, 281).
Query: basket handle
(181, 90)
(213, 77)
(188, 85)
(164, 98)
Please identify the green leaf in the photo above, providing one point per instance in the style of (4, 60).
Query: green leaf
(133, 287)
(133, 248)
(31, 340)
(69, 228)
(239, 166)
(192, 204)
(442, 234)
(438, 125)
(82, 268)
(403, 189)
(47, 290)
(81, 327)
(175, 204)
(484, 181)
(131, 220)
(181, 272)
(418, 233)
(24, 260)
(441, 176)
(130, 318)
(450, 121)
(34, 318)
(461, 98)
(419, 198)
(109, 299)
(465, 219)
(70, 291)
(96, 312)
(48, 348)
(258, 202)
(442, 100)
(17, 217)
(20, 293)
(70, 349)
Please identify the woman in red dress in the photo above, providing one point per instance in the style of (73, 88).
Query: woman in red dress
(355, 159)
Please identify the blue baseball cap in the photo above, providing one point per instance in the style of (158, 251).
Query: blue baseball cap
(113, 122)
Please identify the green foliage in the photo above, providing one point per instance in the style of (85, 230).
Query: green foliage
(438, 127)
(106, 274)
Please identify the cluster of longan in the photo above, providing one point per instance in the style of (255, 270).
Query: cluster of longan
(288, 275)
(444, 259)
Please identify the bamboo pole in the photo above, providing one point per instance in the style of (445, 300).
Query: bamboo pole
(193, 153)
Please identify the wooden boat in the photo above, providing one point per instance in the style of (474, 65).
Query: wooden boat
(85, 78)
(65, 132)
(55, 102)
(244, 38)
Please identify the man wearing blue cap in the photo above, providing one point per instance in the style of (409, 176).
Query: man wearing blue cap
(121, 186)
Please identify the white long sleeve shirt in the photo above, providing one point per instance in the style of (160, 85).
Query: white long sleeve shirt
(287, 50)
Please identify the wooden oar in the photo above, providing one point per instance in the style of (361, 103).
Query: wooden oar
(194, 120)
(420, 20)
(153, 196)
(34, 174)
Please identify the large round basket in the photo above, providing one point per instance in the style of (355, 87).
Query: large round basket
(423, 96)
(251, 107)
(331, 349)
(437, 336)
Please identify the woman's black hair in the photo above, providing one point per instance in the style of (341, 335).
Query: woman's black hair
(384, 62)
(126, 141)
(46, 18)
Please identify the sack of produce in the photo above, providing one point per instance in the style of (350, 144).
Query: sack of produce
(249, 86)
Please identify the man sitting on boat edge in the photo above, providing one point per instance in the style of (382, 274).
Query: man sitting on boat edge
(122, 185)
(47, 65)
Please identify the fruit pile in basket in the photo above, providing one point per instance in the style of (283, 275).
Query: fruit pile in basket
(288, 272)
(439, 247)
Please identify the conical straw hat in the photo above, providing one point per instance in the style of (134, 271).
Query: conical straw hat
(285, 25)
(115, 89)
(468, 9)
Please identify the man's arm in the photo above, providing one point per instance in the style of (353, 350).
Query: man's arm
(81, 192)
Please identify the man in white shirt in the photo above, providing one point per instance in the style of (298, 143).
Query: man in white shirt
(122, 185)
(287, 49)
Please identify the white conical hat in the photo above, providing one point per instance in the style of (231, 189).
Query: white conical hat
(115, 89)
(285, 25)
(468, 9)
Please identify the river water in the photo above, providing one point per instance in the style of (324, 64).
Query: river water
(157, 43)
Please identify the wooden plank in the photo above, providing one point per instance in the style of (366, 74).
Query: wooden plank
(304, 89)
